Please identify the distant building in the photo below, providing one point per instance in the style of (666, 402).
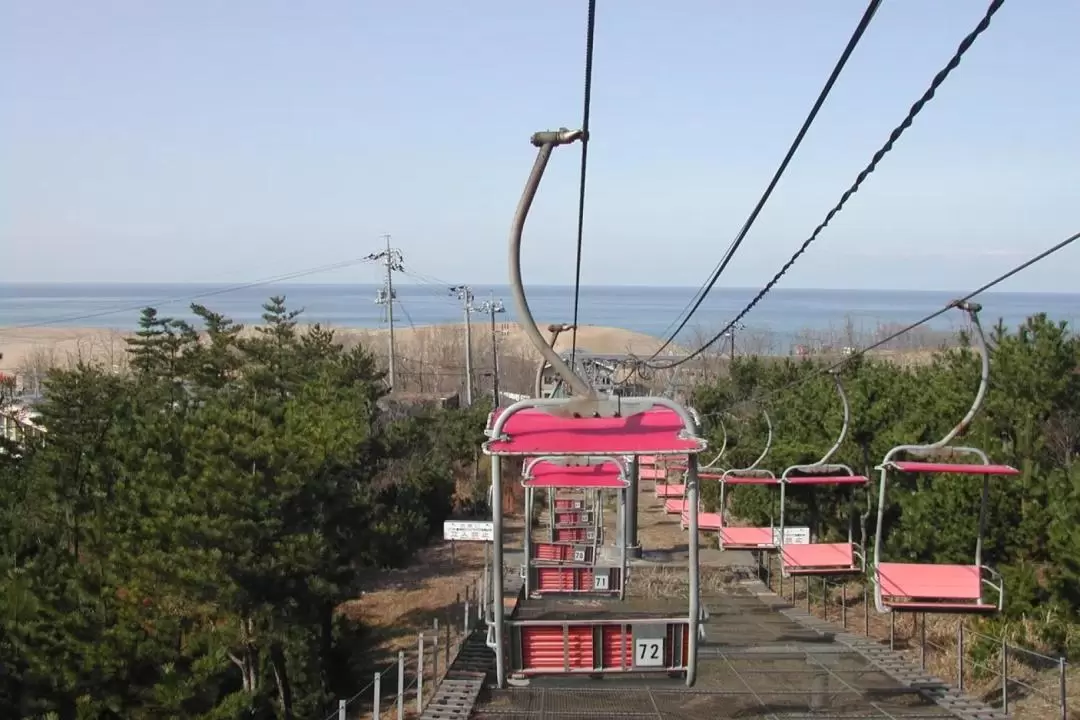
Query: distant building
(19, 421)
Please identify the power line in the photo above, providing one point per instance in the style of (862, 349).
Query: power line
(699, 298)
(195, 296)
(895, 135)
(590, 32)
(918, 323)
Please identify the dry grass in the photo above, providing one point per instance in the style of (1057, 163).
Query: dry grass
(431, 359)
(672, 582)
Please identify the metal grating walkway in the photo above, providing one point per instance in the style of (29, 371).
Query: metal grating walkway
(760, 658)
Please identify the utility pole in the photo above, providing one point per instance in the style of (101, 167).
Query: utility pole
(491, 307)
(731, 335)
(385, 295)
(465, 295)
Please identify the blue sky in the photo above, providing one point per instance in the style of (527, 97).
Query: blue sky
(209, 141)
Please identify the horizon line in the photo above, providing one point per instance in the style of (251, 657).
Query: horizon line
(250, 285)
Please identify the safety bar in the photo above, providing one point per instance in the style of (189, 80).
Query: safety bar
(768, 446)
(818, 468)
(999, 585)
(575, 461)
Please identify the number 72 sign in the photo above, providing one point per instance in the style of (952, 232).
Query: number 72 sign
(649, 652)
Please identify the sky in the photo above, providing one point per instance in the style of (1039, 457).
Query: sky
(211, 141)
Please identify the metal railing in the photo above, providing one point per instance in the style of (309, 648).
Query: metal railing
(998, 671)
(401, 688)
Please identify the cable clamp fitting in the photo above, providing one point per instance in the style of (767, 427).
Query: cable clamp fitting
(562, 136)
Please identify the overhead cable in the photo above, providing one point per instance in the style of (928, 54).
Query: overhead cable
(919, 323)
(894, 136)
(590, 33)
(699, 297)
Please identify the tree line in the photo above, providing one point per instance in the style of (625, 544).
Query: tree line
(177, 543)
(1030, 420)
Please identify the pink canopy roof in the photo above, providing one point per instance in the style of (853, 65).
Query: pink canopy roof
(547, 474)
(532, 431)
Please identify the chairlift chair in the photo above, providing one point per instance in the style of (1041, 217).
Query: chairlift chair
(941, 588)
(585, 426)
(570, 566)
(816, 559)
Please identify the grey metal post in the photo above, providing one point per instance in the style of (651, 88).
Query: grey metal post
(468, 615)
(694, 563)
(528, 540)
(922, 641)
(435, 656)
(1062, 689)
(341, 709)
(420, 675)
(1004, 676)
(497, 571)
(865, 608)
(960, 657)
(401, 685)
(485, 608)
(623, 562)
(892, 631)
(620, 521)
(632, 545)
(376, 710)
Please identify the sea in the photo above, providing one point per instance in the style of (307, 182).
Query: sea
(785, 316)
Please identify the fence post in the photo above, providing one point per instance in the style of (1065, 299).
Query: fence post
(808, 594)
(449, 624)
(866, 609)
(420, 675)
(375, 712)
(467, 616)
(341, 709)
(892, 631)
(435, 657)
(825, 596)
(843, 604)
(1061, 688)
(960, 657)
(401, 685)
(1004, 676)
(922, 641)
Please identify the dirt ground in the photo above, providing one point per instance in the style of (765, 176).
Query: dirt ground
(397, 605)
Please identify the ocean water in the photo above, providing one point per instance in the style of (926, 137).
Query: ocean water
(785, 315)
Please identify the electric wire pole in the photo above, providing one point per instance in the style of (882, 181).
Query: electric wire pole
(491, 307)
(465, 295)
(393, 261)
(731, 334)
